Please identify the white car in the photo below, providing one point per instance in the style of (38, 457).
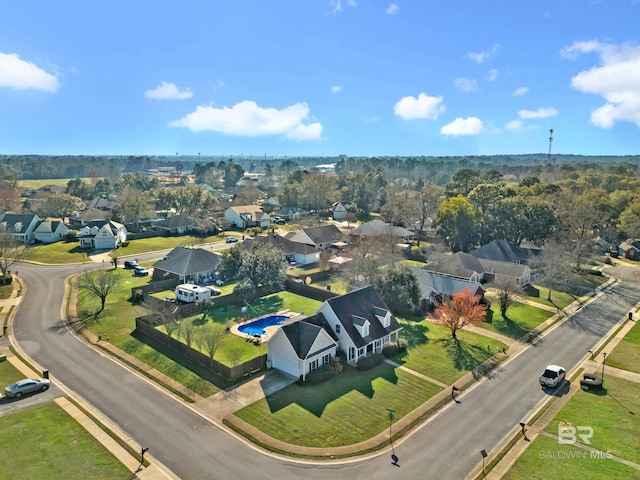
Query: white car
(552, 376)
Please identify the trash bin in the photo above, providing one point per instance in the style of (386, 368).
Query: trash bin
(45, 374)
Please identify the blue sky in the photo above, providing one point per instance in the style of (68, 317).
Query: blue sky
(319, 77)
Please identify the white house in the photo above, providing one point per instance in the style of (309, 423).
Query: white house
(301, 347)
(246, 216)
(359, 323)
(340, 210)
(49, 231)
(20, 226)
(103, 234)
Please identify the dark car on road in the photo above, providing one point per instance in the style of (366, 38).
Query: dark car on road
(28, 385)
(130, 264)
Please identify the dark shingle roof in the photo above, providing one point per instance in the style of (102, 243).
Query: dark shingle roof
(504, 251)
(459, 264)
(302, 334)
(287, 246)
(187, 261)
(361, 303)
(324, 233)
(432, 283)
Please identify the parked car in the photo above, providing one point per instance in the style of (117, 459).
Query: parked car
(130, 264)
(28, 385)
(552, 376)
(140, 271)
(231, 240)
(214, 290)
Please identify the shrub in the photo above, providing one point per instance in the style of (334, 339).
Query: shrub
(396, 348)
(370, 361)
(70, 237)
(318, 376)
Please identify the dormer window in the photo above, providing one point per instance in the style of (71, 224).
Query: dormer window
(383, 315)
(361, 324)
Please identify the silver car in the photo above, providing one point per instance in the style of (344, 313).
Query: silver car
(28, 385)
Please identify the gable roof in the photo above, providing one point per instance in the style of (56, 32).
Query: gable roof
(367, 304)
(458, 264)
(303, 334)
(187, 261)
(101, 203)
(287, 246)
(630, 243)
(434, 284)
(504, 251)
(15, 220)
(509, 269)
(375, 228)
(324, 233)
(47, 226)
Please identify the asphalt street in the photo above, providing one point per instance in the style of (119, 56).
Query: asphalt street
(446, 447)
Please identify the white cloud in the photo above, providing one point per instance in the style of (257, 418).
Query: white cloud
(493, 74)
(463, 126)
(539, 113)
(481, 57)
(21, 75)
(168, 91)
(336, 89)
(338, 7)
(520, 91)
(411, 108)
(466, 84)
(515, 126)
(392, 9)
(616, 79)
(248, 119)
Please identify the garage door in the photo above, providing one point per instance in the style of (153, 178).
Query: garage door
(285, 366)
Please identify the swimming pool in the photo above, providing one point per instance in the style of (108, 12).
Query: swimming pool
(257, 326)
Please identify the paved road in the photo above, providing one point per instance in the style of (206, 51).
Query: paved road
(446, 448)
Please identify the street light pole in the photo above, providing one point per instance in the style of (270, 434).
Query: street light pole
(484, 455)
(394, 458)
(604, 358)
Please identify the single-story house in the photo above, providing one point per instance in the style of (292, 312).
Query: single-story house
(103, 234)
(505, 251)
(320, 238)
(292, 213)
(340, 210)
(466, 266)
(101, 203)
(20, 226)
(188, 265)
(377, 228)
(359, 321)
(49, 231)
(246, 216)
(177, 224)
(437, 288)
(300, 253)
(630, 249)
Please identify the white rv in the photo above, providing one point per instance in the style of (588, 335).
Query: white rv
(189, 293)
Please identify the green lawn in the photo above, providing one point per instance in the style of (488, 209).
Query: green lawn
(615, 430)
(539, 294)
(117, 322)
(36, 184)
(145, 245)
(521, 319)
(8, 374)
(232, 314)
(432, 352)
(59, 253)
(5, 291)
(544, 459)
(613, 414)
(344, 410)
(626, 355)
(45, 442)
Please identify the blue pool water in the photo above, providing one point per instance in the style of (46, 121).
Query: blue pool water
(257, 326)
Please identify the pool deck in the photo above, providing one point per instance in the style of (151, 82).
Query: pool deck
(269, 331)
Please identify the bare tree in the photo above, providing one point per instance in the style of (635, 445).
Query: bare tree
(507, 294)
(554, 266)
(427, 206)
(99, 283)
(165, 313)
(11, 252)
(461, 310)
(235, 354)
(186, 331)
(209, 338)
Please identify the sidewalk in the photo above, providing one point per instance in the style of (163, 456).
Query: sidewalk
(154, 471)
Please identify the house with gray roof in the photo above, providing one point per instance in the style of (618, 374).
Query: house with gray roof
(20, 226)
(102, 235)
(188, 265)
(378, 228)
(630, 249)
(505, 251)
(301, 347)
(177, 224)
(246, 216)
(465, 266)
(49, 231)
(358, 323)
(297, 252)
(320, 238)
(437, 288)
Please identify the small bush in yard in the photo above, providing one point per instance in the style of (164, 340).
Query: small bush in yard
(395, 348)
(370, 361)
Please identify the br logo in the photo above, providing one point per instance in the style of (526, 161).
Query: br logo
(568, 434)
